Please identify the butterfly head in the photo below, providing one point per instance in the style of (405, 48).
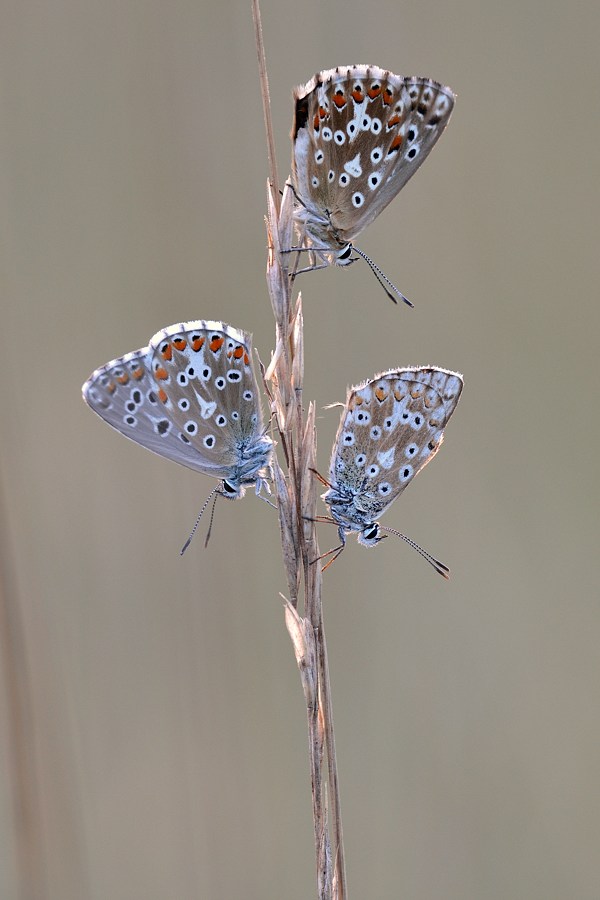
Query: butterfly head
(370, 535)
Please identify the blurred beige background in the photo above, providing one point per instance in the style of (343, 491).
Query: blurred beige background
(152, 704)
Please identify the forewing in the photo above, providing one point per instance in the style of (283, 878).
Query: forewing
(359, 134)
(209, 391)
(391, 427)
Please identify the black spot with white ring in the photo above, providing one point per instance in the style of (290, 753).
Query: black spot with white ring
(376, 155)
(209, 441)
(375, 432)
(344, 179)
(357, 199)
(221, 421)
(191, 427)
(220, 383)
(183, 404)
(247, 395)
(375, 180)
(163, 427)
(405, 473)
(339, 137)
(384, 488)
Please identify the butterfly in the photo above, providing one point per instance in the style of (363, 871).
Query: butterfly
(190, 396)
(359, 133)
(390, 428)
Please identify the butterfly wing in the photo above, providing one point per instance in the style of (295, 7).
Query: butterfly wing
(359, 134)
(191, 396)
(391, 427)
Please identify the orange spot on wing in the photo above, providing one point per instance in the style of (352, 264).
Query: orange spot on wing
(416, 392)
(162, 396)
(167, 352)
(161, 374)
(179, 343)
(395, 143)
(374, 92)
(197, 343)
(111, 387)
(381, 394)
(394, 120)
(322, 112)
(399, 395)
(138, 373)
(238, 352)
(387, 97)
(316, 123)
(246, 360)
(339, 100)
(358, 95)
(123, 379)
(216, 344)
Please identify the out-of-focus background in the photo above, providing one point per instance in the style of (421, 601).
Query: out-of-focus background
(152, 725)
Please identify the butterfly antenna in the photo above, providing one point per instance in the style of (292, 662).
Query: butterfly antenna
(383, 279)
(210, 524)
(439, 567)
(193, 531)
